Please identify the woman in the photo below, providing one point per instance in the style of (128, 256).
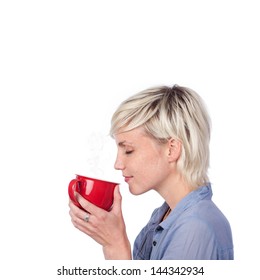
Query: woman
(162, 135)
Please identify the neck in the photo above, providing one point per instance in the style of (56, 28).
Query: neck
(174, 190)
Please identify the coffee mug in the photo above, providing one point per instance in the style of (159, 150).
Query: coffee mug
(96, 191)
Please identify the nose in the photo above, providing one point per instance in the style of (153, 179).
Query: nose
(119, 164)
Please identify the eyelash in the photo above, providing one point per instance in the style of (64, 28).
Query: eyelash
(128, 152)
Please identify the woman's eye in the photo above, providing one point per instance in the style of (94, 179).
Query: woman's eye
(128, 152)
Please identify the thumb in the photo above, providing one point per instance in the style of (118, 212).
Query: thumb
(117, 205)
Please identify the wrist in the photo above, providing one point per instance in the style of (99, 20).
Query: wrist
(118, 251)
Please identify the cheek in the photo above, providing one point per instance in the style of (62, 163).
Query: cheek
(152, 169)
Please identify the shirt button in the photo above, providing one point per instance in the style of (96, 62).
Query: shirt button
(154, 243)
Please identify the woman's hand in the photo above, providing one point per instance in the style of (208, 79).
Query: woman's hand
(106, 228)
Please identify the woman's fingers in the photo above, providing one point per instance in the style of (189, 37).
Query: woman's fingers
(76, 211)
(117, 205)
(88, 206)
(103, 226)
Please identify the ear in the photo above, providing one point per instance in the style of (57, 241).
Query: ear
(174, 149)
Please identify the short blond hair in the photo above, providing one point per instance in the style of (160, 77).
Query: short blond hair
(171, 112)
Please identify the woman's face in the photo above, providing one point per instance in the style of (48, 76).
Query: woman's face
(143, 161)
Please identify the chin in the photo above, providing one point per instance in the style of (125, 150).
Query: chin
(135, 191)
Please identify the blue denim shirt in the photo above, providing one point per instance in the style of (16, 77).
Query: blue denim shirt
(195, 230)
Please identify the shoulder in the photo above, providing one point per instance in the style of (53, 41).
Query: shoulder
(207, 213)
(204, 223)
(196, 236)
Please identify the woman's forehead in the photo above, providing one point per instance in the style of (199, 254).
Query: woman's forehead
(130, 137)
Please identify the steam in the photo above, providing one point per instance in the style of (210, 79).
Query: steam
(100, 157)
(95, 150)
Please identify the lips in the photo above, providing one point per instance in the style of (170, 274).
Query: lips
(127, 178)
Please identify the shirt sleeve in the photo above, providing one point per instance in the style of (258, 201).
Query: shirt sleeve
(192, 240)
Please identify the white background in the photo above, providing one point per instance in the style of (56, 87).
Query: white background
(65, 67)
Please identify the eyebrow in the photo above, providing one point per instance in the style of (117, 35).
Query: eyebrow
(124, 143)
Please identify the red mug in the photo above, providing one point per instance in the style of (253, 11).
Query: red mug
(98, 192)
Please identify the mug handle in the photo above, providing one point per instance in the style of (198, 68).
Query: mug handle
(73, 186)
